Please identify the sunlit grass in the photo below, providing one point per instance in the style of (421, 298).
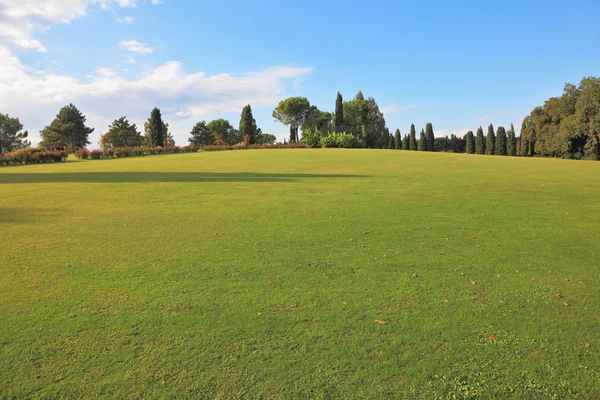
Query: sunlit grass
(261, 274)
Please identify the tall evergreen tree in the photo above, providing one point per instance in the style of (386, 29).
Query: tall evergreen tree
(480, 142)
(413, 139)
(406, 142)
(67, 131)
(384, 141)
(154, 129)
(511, 145)
(422, 146)
(430, 137)
(338, 117)
(392, 143)
(121, 134)
(470, 143)
(12, 136)
(248, 126)
(490, 140)
(398, 140)
(500, 145)
(524, 144)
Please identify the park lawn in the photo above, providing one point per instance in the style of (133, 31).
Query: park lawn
(264, 273)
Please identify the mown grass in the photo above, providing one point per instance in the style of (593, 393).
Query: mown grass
(261, 274)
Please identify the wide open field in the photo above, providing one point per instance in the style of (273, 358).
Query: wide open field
(261, 274)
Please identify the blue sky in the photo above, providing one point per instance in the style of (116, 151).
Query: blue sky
(456, 65)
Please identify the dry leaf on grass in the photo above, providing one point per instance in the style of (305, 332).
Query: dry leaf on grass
(493, 337)
(380, 322)
(271, 282)
(472, 282)
(585, 345)
(259, 313)
(565, 304)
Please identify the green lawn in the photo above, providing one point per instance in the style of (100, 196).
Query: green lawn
(261, 274)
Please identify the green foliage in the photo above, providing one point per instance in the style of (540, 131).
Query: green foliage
(155, 129)
(201, 135)
(412, 139)
(406, 142)
(480, 142)
(293, 112)
(67, 131)
(511, 144)
(490, 141)
(221, 129)
(470, 143)
(338, 117)
(121, 134)
(248, 126)
(422, 145)
(384, 141)
(342, 139)
(316, 119)
(429, 137)
(392, 142)
(12, 136)
(364, 119)
(500, 145)
(265, 138)
(398, 140)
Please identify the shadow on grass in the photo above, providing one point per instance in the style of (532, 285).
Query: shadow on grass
(121, 177)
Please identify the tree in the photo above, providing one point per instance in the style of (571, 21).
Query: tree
(429, 136)
(317, 120)
(398, 140)
(413, 138)
(154, 129)
(511, 145)
(121, 134)
(490, 140)
(391, 142)
(67, 131)
(470, 143)
(293, 112)
(480, 142)
(265, 138)
(12, 136)
(406, 142)
(201, 135)
(248, 126)
(422, 146)
(385, 139)
(500, 145)
(338, 117)
(222, 130)
(524, 144)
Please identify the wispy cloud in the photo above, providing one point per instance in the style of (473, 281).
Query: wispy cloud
(135, 47)
(395, 108)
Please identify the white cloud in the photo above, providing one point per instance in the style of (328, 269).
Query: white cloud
(395, 108)
(126, 20)
(183, 97)
(155, 2)
(20, 20)
(135, 47)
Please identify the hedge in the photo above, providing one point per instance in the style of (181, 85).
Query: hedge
(33, 156)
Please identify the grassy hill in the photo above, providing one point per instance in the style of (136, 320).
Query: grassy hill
(301, 274)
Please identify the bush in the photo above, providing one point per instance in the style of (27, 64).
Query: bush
(312, 138)
(345, 140)
(33, 156)
(82, 154)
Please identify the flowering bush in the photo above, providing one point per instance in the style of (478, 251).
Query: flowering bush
(33, 156)
(82, 154)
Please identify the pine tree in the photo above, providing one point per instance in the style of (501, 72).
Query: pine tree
(422, 146)
(384, 140)
(406, 142)
(511, 146)
(67, 131)
(490, 140)
(480, 142)
(247, 126)
(430, 137)
(413, 139)
(524, 144)
(12, 136)
(398, 140)
(470, 143)
(338, 117)
(500, 145)
(201, 135)
(153, 128)
(392, 143)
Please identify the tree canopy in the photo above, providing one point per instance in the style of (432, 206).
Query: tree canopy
(67, 131)
(12, 136)
(121, 134)
(293, 112)
(154, 129)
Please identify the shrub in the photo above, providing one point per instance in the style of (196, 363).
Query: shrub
(82, 154)
(312, 138)
(33, 156)
(96, 154)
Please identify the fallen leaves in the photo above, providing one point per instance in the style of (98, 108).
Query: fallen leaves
(414, 275)
(380, 322)
(564, 303)
(473, 283)
(270, 282)
(558, 295)
(585, 345)
(493, 337)
(259, 313)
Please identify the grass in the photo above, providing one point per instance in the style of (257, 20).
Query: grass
(261, 274)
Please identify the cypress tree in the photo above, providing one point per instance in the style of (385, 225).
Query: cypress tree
(422, 146)
(480, 142)
(398, 140)
(511, 148)
(154, 129)
(430, 137)
(392, 143)
(384, 140)
(406, 142)
(413, 138)
(338, 117)
(470, 143)
(500, 145)
(490, 140)
(524, 145)
(247, 124)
